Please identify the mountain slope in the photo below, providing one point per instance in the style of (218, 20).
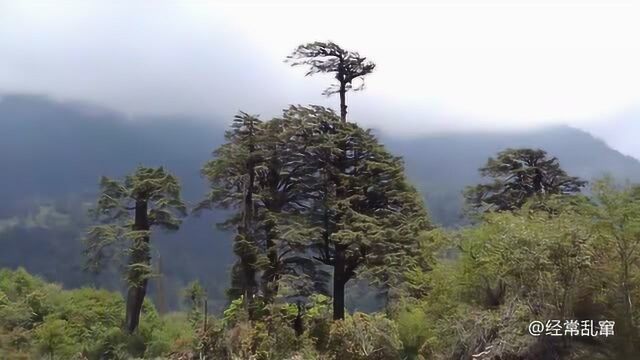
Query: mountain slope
(441, 166)
(53, 154)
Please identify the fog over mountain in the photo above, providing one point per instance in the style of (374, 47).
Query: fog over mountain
(434, 74)
(52, 155)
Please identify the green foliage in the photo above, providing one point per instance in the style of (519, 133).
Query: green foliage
(426, 321)
(239, 310)
(616, 223)
(530, 264)
(469, 292)
(364, 337)
(365, 214)
(520, 267)
(271, 335)
(518, 176)
(434, 249)
(319, 306)
(194, 297)
(210, 342)
(309, 184)
(413, 329)
(232, 175)
(155, 193)
(53, 340)
(278, 339)
(37, 318)
(175, 334)
(128, 211)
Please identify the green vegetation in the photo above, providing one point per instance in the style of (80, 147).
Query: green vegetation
(316, 202)
(311, 190)
(519, 175)
(129, 210)
(469, 292)
(38, 319)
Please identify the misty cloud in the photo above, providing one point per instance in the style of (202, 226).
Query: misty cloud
(441, 66)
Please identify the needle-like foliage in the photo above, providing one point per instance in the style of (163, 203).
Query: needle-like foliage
(126, 212)
(519, 175)
(232, 175)
(323, 194)
(367, 216)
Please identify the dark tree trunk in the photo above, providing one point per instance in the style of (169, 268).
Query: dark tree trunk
(248, 265)
(537, 181)
(298, 323)
(138, 288)
(275, 202)
(135, 298)
(339, 280)
(343, 102)
(271, 275)
(249, 291)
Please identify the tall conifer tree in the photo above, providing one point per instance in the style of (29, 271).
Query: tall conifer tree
(367, 215)
(267, 156)
(233, 177)
(129, 209)
(519, 175)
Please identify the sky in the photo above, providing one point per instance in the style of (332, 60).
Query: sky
(441, 65)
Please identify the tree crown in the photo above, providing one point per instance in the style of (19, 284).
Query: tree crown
(328, 57)
(518, 175)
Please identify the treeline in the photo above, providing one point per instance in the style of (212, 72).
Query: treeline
(315, 202)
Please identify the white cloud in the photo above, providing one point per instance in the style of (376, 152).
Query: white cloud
(518, 62)
(441, 64)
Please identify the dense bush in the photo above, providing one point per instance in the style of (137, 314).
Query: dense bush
(563, 259)
(41, 319)
(361, 337)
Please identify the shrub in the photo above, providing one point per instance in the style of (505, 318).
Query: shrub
(53, 340)
(364, 337)
(413, 329)
(318, 319)
(174, 335)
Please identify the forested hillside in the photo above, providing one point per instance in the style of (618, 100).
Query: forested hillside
(53, 153)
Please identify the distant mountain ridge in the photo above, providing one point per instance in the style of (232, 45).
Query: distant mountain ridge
(52, 155)
(442, 165)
